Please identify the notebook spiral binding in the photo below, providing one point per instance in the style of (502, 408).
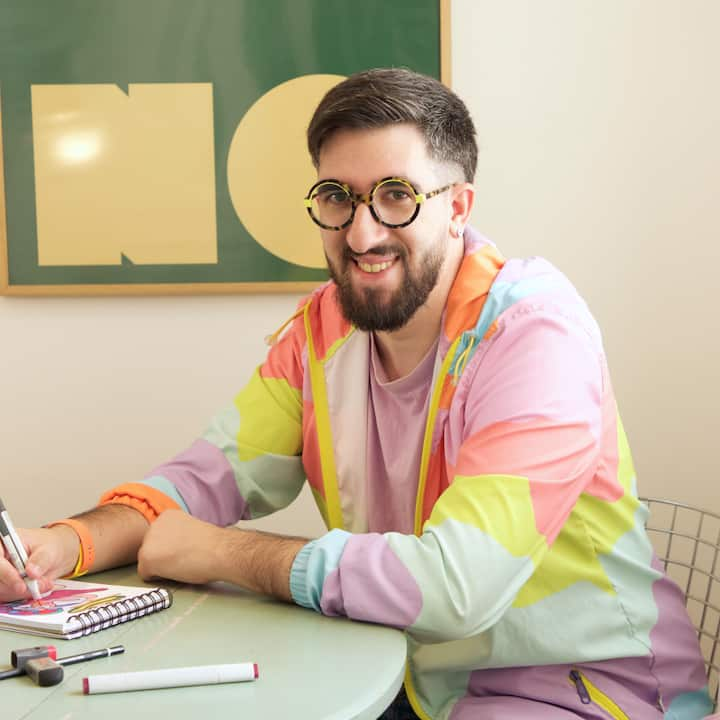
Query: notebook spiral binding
(106, 616)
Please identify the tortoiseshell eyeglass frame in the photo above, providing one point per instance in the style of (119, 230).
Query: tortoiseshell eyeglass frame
(367, 198)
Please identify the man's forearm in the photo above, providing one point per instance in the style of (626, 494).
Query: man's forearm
(117, 532)
(261, 561)
(180, 547)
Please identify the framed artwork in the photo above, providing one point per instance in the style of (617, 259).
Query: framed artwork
(158, 146)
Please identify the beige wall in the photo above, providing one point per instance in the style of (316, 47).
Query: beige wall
(599, 125)
(97, 391)
(599, 150)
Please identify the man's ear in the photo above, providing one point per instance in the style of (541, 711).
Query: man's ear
(463, 197)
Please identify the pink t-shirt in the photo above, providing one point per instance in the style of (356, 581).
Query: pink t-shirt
(397, 413)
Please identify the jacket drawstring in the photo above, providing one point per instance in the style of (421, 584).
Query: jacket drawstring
(274, 337)
(462, 361)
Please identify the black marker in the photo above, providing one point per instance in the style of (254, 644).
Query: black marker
(92, 655)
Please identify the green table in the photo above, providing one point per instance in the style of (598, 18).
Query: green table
(311, 667)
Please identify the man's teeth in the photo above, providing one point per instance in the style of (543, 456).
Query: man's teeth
(376, 267)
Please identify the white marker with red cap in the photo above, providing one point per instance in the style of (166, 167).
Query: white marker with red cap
(170, 678)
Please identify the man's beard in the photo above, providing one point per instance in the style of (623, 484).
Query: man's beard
(368, 308)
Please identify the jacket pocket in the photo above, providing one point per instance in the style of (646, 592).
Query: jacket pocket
(590, 694)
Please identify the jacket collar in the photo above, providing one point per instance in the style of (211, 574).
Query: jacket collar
(479, 268)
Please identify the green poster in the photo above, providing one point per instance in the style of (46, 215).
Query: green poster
(158, 145)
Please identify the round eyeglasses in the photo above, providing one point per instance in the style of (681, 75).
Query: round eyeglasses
(393, 202)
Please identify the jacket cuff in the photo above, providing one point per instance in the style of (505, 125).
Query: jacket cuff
(313, 564)
(298, 573)
(147, 500)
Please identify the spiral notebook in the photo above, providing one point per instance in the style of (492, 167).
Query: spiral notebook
(75, 608)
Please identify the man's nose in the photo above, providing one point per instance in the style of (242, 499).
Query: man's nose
(364, 232)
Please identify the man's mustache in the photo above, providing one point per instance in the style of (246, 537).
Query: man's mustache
(349, 254)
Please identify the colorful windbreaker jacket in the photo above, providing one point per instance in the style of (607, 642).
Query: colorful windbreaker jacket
(529, 547)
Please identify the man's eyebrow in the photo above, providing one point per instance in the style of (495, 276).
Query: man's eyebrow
(321, 183)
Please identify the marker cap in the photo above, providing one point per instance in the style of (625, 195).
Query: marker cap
(18, 658)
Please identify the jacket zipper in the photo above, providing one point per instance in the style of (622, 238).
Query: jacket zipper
(324, 433)
(590, 694)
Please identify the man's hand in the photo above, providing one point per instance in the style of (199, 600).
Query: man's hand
(52, 552)
(116, 530)
(180, 547)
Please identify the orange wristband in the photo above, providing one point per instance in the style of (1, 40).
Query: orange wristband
(86, 556)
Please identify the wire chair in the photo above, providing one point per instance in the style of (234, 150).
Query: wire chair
(687, 541)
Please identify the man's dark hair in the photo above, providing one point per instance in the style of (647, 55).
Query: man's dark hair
(388, 96)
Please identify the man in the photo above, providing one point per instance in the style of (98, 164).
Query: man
(453, 414)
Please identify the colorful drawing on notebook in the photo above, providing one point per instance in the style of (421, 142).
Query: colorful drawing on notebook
(61, 599)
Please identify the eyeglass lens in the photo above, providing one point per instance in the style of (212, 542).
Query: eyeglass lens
(392, 200)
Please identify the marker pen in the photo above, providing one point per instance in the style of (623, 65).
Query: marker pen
(16, 550)
(170, 678)
(92, 655)
(20, 658)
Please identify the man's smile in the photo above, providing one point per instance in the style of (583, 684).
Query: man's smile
(374, 262)
(376, 267)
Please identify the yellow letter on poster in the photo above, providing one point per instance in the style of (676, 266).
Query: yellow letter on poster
(124, 174)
